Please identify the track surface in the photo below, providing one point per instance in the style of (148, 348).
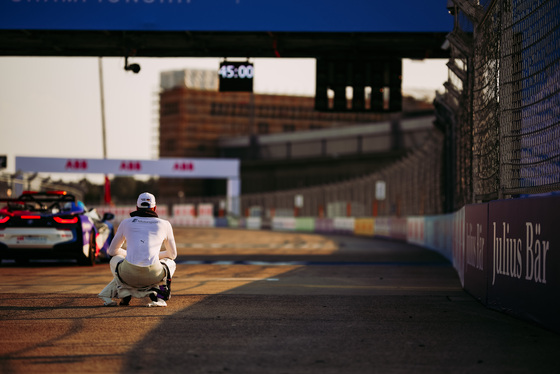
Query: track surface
(267, 302)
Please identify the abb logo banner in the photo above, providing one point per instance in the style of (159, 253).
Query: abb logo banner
(131, 165)
(183, 166)
(108, 165)
(76, 165)
(178, 167)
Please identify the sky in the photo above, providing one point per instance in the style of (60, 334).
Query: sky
(51, 106)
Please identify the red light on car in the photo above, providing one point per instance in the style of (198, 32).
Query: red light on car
(57, 193)
(31, 217)
(4, 219)
(66, 220)
(96, 246)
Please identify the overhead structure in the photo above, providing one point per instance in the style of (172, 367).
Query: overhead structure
(224, 28)
(358, 44)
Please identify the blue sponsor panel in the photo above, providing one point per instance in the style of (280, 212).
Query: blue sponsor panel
(227, 15)
(221, 222)
(476, 264)
(524, 259)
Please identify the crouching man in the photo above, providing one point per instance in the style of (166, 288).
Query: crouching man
(141, 269)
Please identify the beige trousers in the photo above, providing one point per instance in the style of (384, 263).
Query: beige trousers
(141, 276)
(136, 275)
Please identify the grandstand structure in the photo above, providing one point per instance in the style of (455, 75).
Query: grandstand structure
(355, 196)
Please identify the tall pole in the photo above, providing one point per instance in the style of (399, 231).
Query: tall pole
(102, 96)
(107, 189)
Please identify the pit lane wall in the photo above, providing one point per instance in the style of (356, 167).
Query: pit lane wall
(506, 253)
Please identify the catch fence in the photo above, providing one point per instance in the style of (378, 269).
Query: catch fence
(501, 109)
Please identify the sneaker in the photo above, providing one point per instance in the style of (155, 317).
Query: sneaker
(125, 300)
(164, 292)
(108, 301)
(158, 302)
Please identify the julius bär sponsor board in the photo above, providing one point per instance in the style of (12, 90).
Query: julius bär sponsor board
(476, 251)
(523, 258)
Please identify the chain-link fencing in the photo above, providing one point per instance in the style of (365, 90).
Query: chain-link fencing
(501, 111)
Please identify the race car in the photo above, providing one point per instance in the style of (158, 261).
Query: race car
(53, 225)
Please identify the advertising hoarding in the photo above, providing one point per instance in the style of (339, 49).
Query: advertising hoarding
(476, 251)
(524, 258)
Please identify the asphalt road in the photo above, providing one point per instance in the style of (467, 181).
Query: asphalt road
(266, 302)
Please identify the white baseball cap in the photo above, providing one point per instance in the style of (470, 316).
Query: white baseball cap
(146, 200)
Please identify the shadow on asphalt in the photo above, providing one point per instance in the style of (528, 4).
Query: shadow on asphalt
(258, 328)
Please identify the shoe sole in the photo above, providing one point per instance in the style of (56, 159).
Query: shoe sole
(156, 305)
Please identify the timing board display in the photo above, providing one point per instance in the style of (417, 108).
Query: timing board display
(236, 76)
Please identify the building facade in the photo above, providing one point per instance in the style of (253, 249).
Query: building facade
(194, 115)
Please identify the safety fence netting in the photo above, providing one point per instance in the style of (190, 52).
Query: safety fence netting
(501, 111)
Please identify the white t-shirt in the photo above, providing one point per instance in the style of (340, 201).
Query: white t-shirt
(144, 237)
